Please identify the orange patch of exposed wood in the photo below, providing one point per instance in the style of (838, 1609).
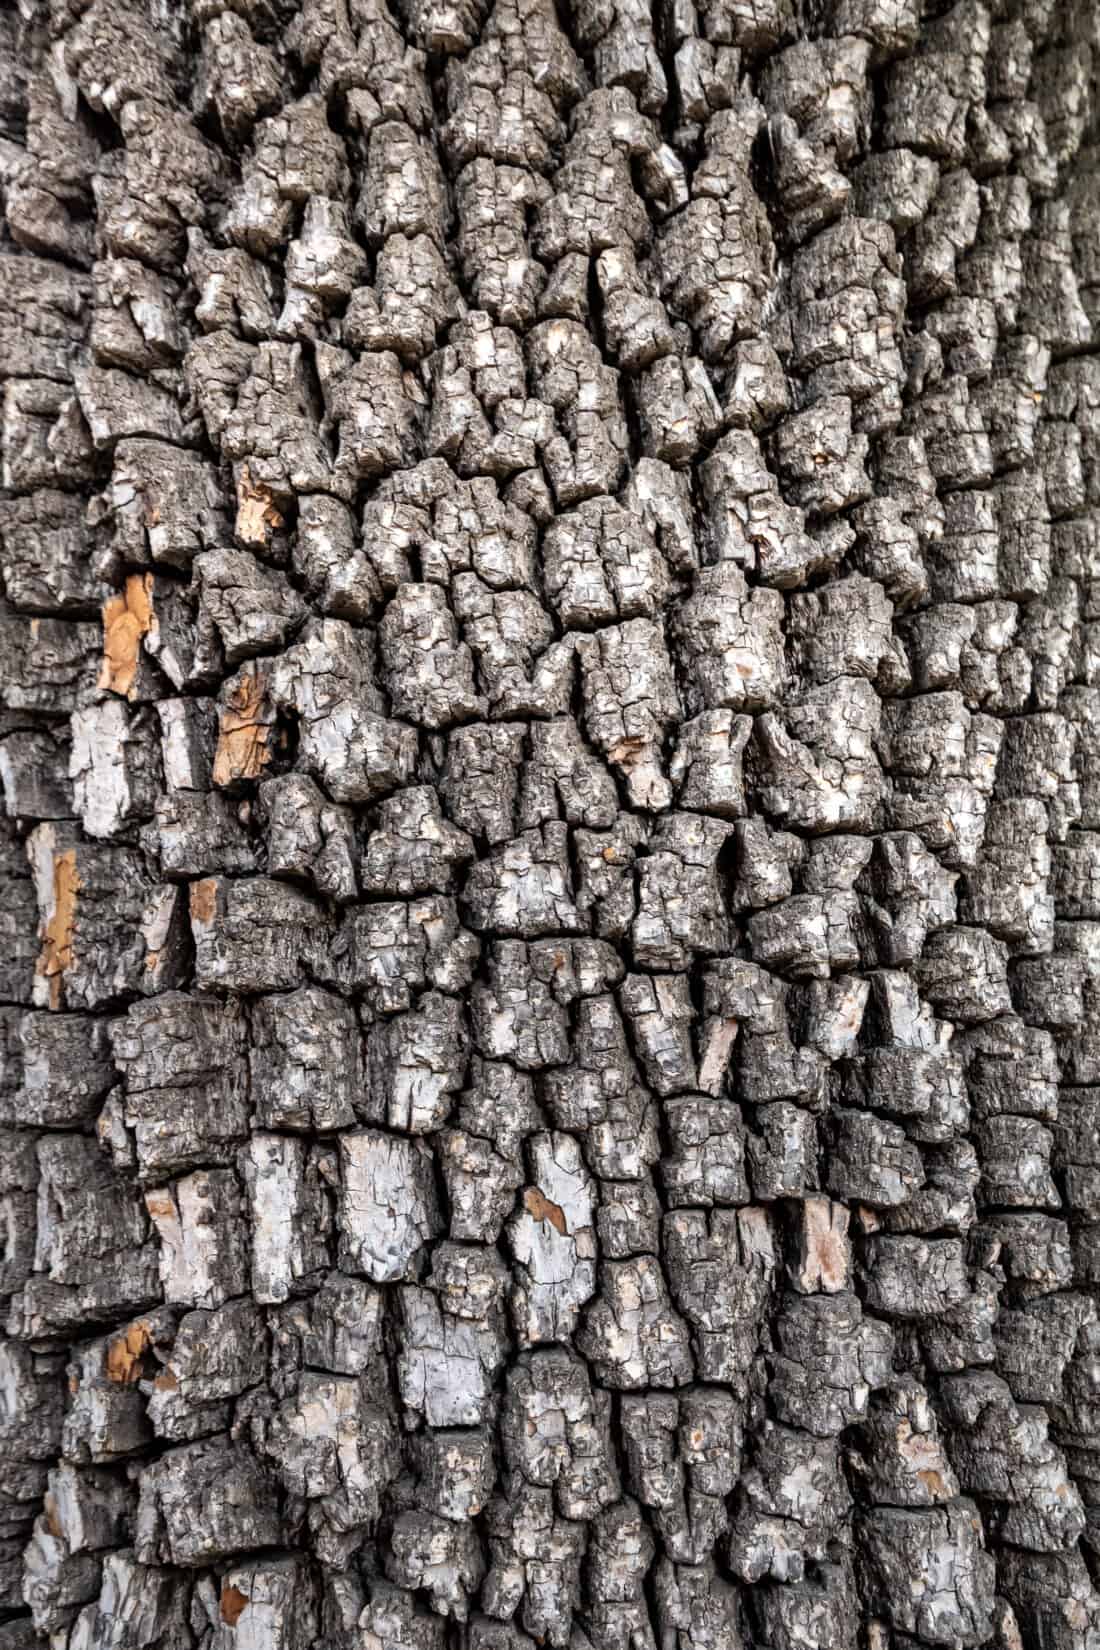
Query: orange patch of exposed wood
(540, 1207)
(257, 517)
(125, 1352)
(244, 731)
(57, 936)
(232, 1603)
(127, 617)
(204, 900)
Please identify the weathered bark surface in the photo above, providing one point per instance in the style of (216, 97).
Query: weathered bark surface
(550, 733)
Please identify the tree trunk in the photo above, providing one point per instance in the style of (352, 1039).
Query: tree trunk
(551, 747)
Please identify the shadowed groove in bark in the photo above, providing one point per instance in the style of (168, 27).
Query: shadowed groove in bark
(550, 737)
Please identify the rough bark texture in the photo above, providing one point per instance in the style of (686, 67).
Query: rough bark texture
(550, 655)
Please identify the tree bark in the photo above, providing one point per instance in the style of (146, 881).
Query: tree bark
(551, 747)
